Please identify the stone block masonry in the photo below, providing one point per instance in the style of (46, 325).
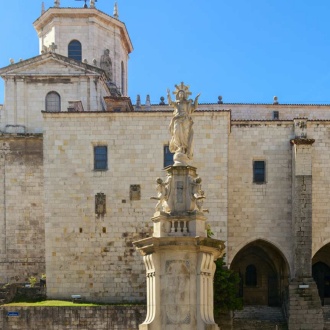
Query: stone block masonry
(305, 312)
(72, 318)
(22, 233)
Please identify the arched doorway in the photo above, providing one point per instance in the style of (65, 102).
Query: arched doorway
(264, 273)
(321, 273)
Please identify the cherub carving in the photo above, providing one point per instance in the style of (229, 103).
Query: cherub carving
(162, 195)
(197, 194)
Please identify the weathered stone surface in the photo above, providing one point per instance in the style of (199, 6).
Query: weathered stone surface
(22, 231)
(73, 318)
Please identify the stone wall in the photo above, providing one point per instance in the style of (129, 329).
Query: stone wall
(258, 112)
(93, 255)
(260, 211)
(257, 325)
(71, 318)
(22, 240)
(305, 311)
(321, 184)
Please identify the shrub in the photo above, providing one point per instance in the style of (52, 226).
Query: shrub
(226, 284)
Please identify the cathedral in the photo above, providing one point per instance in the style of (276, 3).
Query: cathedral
(79, 163)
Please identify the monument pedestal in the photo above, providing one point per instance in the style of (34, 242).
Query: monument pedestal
(179, 274)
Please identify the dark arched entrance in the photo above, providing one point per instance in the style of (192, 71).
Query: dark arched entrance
(321, 273)
(264, 273)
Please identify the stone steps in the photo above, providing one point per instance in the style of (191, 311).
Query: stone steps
(260, 313)
(259, 318)
(326, 316)
(326, 313)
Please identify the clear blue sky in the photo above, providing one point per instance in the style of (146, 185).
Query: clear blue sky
(246, 51)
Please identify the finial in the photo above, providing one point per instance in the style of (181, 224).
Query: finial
(42, 8)
(162, 101)
(94, 61)
(275, 100)
(44, 49)
(220, 99)
(56, 3)
(115, 11)
(12, 61)
(92, 4)
(138, 101)
(148, 104)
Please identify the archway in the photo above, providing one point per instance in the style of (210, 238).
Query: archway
(264, 273)
(321, 273)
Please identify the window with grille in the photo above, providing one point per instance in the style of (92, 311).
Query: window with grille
(53, 102)
(259, 171)
(74, 50)
(100, 158)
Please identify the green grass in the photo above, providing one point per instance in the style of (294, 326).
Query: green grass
(52, 303)
(63, 303)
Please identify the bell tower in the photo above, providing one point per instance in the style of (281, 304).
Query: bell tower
(88, 35)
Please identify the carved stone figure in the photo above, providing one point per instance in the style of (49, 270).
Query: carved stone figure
(197, 194)
(106, 64)
(162, 195)
(181, 130)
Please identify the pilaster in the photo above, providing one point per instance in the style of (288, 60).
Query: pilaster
(304, 304)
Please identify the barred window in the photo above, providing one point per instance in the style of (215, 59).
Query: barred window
(259, 171)
(100, 158)
(74, 50)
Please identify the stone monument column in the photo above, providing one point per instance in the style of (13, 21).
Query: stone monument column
(304, 304)
(179, 257)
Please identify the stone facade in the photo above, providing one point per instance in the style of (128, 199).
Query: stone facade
(51, 219)
(105, 243)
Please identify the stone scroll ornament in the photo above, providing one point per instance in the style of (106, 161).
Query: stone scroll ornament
(181, 125)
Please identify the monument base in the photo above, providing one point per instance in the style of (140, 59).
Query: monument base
(180, 273)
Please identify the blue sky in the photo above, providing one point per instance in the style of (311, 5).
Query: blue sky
(246, 51)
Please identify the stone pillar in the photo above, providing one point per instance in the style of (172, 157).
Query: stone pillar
(302, 206)
(305, 311)
(179, 258)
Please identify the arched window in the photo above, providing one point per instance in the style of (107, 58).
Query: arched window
(53, 102)
(74, 50)
(251, 275)
(122, 79)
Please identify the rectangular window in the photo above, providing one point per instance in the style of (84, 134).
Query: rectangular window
(276, 115)
(100, 158)
(259, 171)
(168, 157)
